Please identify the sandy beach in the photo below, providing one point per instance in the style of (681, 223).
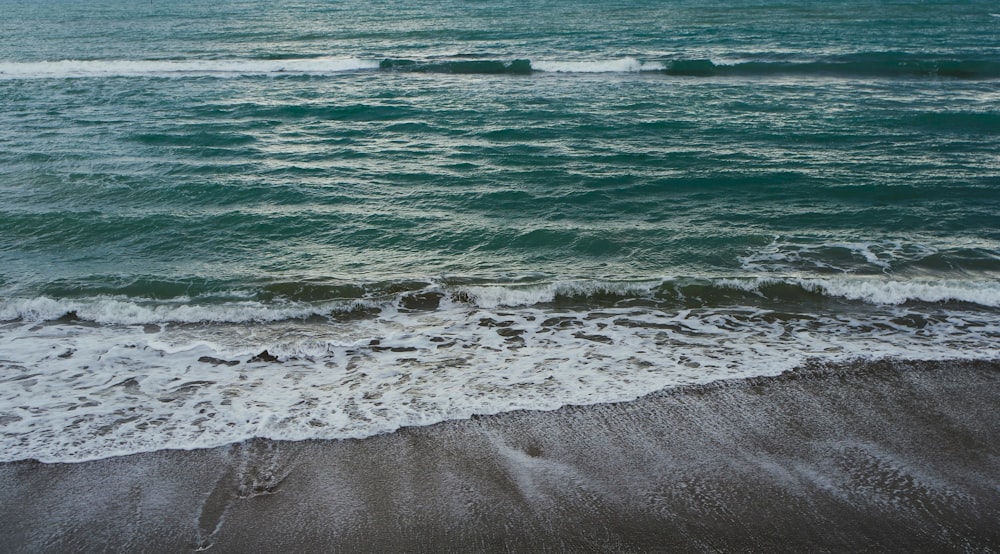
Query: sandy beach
(900, 457)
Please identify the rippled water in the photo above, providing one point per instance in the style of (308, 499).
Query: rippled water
(431, 210)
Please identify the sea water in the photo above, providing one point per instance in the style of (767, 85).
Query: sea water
(305, 219)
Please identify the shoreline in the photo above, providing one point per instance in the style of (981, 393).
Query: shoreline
(874, 456)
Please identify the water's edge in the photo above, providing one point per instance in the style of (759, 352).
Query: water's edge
(885, 455)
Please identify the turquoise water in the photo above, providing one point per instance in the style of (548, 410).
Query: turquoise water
(428, 210)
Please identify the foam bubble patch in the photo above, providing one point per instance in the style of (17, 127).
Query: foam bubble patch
(76, 391)
(622, 65)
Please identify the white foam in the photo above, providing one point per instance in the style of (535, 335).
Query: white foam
(872, 290)
(622, 65)
(117, 310)
(132, 311)
(882, 291)
(175, 68)
(77, 392)
(782, 255)
(983, 293)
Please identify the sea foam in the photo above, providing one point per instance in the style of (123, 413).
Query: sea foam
(622, 65)
(133, 311)
(664, 292)
(76, 391)
(168, 68)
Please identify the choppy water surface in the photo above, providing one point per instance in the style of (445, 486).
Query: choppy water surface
(425, 211)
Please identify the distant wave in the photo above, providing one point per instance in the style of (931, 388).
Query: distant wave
(872, 65)
(861, 65)
(167, 68)
(867, 65)
(622, 65)
(487, 67)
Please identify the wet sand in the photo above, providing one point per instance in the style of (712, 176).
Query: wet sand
(877, 457)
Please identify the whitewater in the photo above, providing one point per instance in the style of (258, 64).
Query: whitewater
(170, 375)
(300, 220)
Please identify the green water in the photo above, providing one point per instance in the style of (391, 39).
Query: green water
(330, 164)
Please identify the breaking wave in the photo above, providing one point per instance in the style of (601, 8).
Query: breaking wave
(877, 65)
(674, 293)
(77, 391)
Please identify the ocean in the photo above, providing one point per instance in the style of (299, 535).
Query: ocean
(305, 219)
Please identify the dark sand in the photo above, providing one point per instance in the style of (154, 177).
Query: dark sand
(880, 457)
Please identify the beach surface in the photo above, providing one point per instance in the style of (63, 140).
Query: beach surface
(884, 456)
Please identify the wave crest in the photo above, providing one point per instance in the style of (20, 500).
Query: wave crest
(177, 68)
(878, 65)
(667, 294)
